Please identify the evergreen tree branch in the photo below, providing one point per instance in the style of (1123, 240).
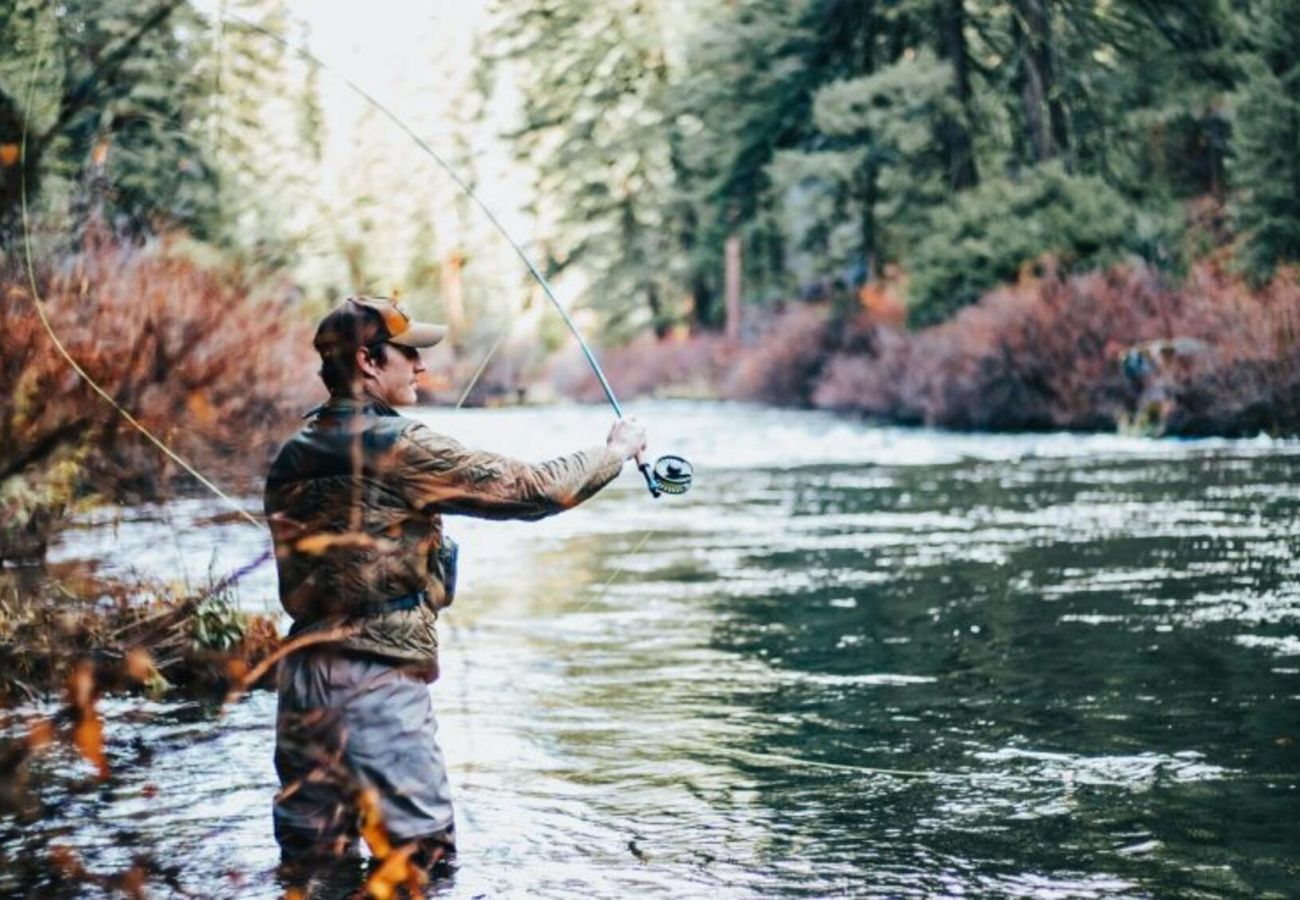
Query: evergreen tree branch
(74, 100)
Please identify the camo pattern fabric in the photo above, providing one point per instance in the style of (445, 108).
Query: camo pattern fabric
(355, 502)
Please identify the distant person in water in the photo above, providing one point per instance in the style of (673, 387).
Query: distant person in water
(355, 502)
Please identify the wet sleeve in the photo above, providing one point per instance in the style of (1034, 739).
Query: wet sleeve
(441, 474)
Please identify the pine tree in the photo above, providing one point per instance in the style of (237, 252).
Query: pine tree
(115, 127)
(1265, 165)
(595, 77)
(264, 133)
(885, 166)
(746, 93)
(825, 138)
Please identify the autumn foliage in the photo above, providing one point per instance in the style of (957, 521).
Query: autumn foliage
(780, 365)
(646, 365)
(1217, 356)
(210, 366)
(1047, 353)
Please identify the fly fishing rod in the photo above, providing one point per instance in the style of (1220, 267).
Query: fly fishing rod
(670, 474)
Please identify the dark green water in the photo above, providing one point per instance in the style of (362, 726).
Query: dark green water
(850, 662)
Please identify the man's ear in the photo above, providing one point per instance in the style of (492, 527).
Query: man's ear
(366, 363)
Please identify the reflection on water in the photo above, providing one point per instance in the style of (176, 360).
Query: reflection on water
(852, 660)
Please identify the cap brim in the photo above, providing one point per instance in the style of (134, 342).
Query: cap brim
(420, 334)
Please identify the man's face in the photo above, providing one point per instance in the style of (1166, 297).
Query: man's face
(394, 381)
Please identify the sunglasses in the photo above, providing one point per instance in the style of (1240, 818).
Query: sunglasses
(410, 353)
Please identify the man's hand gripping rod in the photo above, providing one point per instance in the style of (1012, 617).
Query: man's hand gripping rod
(671, 474)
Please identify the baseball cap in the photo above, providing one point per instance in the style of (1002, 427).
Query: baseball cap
(361, 321)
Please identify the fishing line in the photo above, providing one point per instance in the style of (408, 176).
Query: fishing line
(670, 474)
(611, 579)
(58, 344)
(47, 326)
(423, 145)
(682, 474)
(675, 471)
(779, 759)
(135, 423)
(478, 373)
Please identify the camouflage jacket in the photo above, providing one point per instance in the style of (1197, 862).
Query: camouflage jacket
(355, 503)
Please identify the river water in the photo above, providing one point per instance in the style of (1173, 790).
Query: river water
(852, 661)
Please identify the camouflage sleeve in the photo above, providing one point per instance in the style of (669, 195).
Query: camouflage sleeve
(443, 474)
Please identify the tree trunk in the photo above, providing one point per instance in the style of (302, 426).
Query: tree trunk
(868, 192)
(870, 257)
(453, 293)
(731, 259)
(1044, 114)
(962, 173)
(13, 168)
(657, 319)
(75, 98)
(704, 314)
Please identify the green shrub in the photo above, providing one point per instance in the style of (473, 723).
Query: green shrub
(987, 235)
(217, 624)
(1265, 161)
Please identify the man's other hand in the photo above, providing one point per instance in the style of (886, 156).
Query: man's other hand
(626, 438)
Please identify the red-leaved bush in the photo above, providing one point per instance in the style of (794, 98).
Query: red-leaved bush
(212, 368)
(676, 366)
(1047, 352)
(1123, 346)
(783, 365)
(871, 382)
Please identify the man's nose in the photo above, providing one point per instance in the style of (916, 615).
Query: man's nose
(419, 364)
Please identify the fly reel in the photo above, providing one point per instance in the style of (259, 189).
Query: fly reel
(672, 475)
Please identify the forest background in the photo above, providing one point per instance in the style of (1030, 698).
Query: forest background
(980, 214)
(971, 214)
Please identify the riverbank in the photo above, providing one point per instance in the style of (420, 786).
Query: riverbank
(68, 642)
(135, 636)
(1124, 349)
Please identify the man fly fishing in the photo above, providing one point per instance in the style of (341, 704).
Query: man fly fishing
(355, 501)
